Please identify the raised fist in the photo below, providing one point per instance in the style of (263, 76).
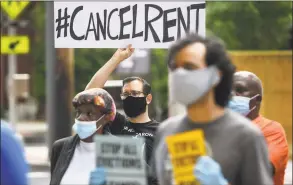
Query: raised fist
(123, 53)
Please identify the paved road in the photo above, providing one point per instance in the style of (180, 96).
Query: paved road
(39, 178)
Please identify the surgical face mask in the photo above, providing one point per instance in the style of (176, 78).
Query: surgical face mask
(240, 104)
(188, 86)
(85, 129)
(134, 106)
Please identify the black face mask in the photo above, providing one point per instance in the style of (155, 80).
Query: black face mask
(134, 106)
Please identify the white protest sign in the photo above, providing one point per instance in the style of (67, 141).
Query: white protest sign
(114, 25)
(122, 157)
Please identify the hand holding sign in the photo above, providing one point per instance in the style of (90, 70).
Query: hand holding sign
(123, 53)
(208, 172)
(184, 149)
(98, 177)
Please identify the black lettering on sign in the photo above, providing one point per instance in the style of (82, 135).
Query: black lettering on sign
(130, 150)
(185, 25)
(154, 14)
(197, 7)
(185, 161)
(168, 24)
(105, 162)
(117, 162)
(131, 163)
(72, 33)
(110, 148)
(89, 29)
(134, 14)
(148, 23)
(182, 147)
(102, 27)
(108, 28)
(122, 23)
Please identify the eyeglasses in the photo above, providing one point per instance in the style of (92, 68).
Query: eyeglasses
(131, 93)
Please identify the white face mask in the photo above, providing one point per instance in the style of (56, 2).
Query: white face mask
(85, 129)
(187, 87)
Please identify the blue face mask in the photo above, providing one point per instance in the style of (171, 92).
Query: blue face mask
(240, 104)
(85, 129)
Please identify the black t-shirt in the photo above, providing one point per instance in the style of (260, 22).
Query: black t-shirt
(122, 126)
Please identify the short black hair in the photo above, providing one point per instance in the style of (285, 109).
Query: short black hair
(216, 54)
(146, 86)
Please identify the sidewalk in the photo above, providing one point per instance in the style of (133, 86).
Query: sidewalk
(34, 136)
(37, 157)
(32, 132)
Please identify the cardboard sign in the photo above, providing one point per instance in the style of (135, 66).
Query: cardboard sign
(184, 149)
(114, 25)
(123, 159)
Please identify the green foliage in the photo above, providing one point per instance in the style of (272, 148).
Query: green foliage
(87, 62)
(159, 73)
(38, 52)
(248, 25)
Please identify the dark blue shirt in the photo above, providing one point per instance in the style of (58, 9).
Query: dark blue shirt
(14, 168)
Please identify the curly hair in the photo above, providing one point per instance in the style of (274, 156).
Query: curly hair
(99, 98)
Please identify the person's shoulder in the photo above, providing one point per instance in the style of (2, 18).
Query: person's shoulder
(154, 123)
(119, 118)
(272, 125)
(242, 124)
(60, 142)
(170, 122)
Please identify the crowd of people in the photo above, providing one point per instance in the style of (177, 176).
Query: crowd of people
(245, 148)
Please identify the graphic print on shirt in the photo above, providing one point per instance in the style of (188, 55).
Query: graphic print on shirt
(127, 129)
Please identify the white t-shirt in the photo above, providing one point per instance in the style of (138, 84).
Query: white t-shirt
(81, 165)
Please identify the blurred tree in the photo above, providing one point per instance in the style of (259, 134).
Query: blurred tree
(38, 52)
(87, 62)
(250, 25)
(159, 73)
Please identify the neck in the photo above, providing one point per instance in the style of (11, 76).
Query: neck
(88, 140)
(142, 118)
(252, 116)
(205, 110)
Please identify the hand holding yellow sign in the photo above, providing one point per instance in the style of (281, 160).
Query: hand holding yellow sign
(184, 149)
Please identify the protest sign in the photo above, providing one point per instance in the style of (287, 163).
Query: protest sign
(184, 149)
(113, 25)
(123, 158)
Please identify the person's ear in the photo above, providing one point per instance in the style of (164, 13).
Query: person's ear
(258, 99)
(149, 98)
(255, 100)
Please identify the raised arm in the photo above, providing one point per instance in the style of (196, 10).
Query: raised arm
(102, 75)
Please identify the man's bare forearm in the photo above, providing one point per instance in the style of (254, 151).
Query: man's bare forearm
(102, 75)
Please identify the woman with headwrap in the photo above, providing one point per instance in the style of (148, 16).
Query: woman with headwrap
(72, 158)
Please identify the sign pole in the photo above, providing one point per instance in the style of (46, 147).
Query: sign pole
(12, 62)
(51, 63)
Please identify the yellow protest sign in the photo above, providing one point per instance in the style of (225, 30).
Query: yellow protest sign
(184, 149)
(14, 8)
(14, 44)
